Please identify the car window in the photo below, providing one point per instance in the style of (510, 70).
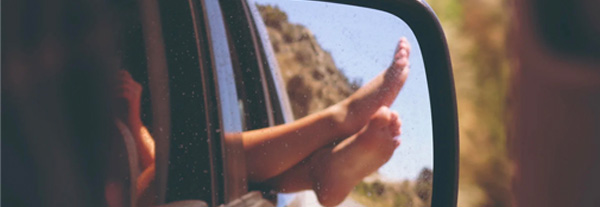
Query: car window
(235, 113)
(281, 109)
(259, 102)
(194, 151)
(253, 96)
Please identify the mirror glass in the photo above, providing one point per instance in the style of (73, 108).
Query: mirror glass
(327, 54)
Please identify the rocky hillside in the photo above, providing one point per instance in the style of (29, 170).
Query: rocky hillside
(312, 79)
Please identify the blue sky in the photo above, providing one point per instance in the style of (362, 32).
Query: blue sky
(362, 43)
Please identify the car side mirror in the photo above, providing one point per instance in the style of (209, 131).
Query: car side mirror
(347, 43)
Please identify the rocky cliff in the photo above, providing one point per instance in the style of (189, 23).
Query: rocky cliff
(312, 79)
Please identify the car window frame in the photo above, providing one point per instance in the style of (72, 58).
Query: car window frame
(189, 35)
(253, 74)
(282, 110)
(249, 68)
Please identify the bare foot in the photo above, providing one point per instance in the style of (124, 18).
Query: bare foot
(354, 112)
(401, 56)
(317, 130)
(398, 71)
(335, 171)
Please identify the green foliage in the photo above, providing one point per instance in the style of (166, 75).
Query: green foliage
(402, 199)
(378, 188)
(424, 186)
(373, 190)
(404, 194)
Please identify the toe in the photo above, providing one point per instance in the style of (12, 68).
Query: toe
(402, 61)
(397, 124)
(381, 118)
(394, 124)
(403, 50)
(401, 55)
(395, 130)
(393, 116)
(397, 142)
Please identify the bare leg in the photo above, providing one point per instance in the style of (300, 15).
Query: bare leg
(271, 151)
(128, 94)
(127, 97)
(146, 189)
(333, 172)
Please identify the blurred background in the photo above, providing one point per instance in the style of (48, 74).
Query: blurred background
(476, 31)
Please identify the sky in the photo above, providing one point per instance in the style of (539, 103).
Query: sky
(362, 42)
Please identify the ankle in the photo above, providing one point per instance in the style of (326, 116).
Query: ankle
(343, 120)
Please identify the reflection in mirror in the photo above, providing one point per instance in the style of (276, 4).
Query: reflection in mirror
(139, 90)
(133, 119)
(335, 52)
(133, 122)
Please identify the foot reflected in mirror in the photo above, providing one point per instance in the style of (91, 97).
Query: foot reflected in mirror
(324, 56)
